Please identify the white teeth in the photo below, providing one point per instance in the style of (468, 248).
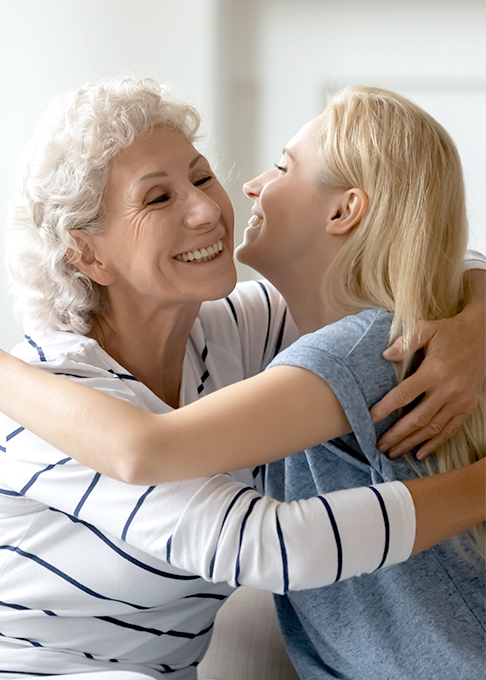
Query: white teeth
(255, 221)
(203, 254)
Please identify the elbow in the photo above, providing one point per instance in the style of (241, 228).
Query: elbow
(155, 452)
(151, 454)
(130, 471)
(136, 463)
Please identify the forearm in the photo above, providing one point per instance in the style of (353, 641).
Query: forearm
(209, 527)
(203, 520)
(444, 506)
(54, 408)
(261, 541)
(475, 280)
(448, 504)
(250, 423)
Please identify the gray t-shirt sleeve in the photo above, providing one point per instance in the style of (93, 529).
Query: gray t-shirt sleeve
(348, 356)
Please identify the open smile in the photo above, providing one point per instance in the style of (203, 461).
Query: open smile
(202, 254)
(255, 221)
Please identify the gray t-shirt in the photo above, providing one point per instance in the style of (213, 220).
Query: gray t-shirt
(420, 620)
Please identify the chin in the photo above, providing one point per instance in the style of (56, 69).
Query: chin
(248, 253)
(245, 253)
(223, 286)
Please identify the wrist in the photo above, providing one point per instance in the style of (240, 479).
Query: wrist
(475, 281)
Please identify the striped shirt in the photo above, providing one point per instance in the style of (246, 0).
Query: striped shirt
(98, 575)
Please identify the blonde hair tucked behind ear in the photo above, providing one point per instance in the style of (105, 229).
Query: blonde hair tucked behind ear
(407, 253)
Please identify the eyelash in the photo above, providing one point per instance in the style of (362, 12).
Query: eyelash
(203, 180)
(163, 198)
(281, 168)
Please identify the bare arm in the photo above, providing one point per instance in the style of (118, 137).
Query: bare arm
(253, 422)
(136, 446)
(450, 377)
(442, 500)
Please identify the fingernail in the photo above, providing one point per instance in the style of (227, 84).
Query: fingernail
(383, 448)
(391, 353)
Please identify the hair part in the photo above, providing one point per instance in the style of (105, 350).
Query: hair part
(64, 171)
(407, 253)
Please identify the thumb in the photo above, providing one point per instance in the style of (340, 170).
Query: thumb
(402, 349)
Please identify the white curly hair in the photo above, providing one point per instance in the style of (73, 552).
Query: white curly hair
(63, 174)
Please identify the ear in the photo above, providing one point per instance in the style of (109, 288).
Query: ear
(347, 211)
(87, 259)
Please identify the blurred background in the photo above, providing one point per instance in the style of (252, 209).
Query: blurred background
(256, 69)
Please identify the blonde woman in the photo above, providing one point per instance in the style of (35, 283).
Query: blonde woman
(362, 228)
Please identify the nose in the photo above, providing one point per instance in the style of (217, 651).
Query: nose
(254, 187)
(201, 210)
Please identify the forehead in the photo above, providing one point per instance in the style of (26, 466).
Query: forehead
(305, 139)
(155, 151)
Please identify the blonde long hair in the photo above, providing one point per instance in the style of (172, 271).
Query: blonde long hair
(407, 254)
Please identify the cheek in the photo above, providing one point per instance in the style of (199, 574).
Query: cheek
(228, 221)
(278, 204)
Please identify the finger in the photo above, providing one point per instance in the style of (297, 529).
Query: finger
(430, 446)
(438, 431)
(402, 395)
(399, 350)
(409, 431)
(396, 351)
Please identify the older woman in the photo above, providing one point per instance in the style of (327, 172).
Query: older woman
(121, 232)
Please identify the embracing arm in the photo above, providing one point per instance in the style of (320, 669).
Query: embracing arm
(450, 377)
(253, 422)
(248, 423)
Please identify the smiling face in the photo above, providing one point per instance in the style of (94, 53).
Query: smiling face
(298, 227)
(169, 228)
(287, 234)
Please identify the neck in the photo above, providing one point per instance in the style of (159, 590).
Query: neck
(306, 299)
(149, 345)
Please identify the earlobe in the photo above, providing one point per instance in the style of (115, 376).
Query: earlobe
(86, 260)
(347, 212)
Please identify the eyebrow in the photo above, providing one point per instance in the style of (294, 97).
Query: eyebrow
(195, 160)
(164, 174)
(153, 174)
(286, 152)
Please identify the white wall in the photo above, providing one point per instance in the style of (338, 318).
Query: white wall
(48, 46)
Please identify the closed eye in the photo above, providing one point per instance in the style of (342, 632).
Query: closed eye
(163, 198)
(203, 180)
(282, 168)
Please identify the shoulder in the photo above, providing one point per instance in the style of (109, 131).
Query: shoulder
(348, 355)
(346, 339)
(368, 330)
(474, 260)
(52, 349)
(79, 358)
